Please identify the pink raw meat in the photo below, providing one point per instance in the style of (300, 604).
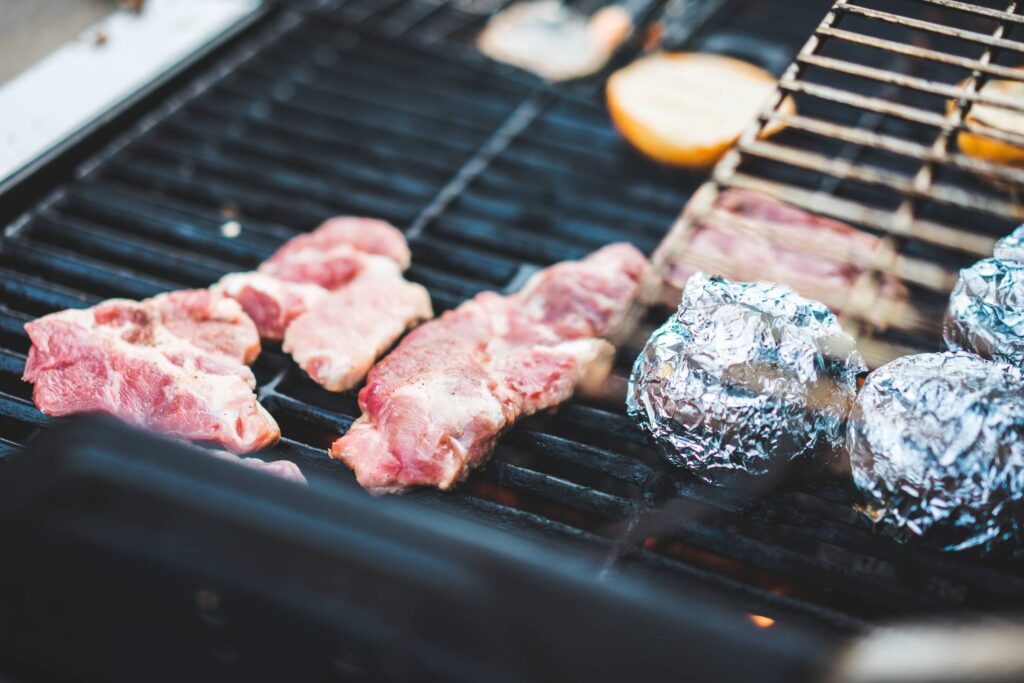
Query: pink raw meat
(749, 236)
(337, 341)
(435, 407)
(174, 363)
(338, 334)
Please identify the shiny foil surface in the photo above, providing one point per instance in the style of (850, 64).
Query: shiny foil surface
(936, 443)
(744, 380)
(1011, 246)
(986, 311)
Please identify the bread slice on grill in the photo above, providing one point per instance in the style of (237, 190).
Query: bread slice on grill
(998, 118)
(687, 109)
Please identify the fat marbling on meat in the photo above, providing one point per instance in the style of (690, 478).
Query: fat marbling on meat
(435, 407)
(175, 363)
(337, 341)
(310, 265)
(315, 294)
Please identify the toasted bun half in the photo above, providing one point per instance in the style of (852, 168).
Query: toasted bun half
(687, 109)
(1001, 119)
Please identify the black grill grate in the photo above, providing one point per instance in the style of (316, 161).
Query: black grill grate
(491, 176)
(426, 21)
(450, 26)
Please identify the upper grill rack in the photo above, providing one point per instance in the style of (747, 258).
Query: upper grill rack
(882, 91)
(309, 119)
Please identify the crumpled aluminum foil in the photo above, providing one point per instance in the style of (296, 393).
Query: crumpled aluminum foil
(1011, 246)
(936, 444)
(745, 379)
(986, 311)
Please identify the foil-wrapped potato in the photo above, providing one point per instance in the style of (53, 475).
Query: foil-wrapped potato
(936, 444)
(745, 380)
(1012, 246)
(986, 310)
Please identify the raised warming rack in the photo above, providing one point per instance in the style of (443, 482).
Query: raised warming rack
(491, 177)
(882, 91)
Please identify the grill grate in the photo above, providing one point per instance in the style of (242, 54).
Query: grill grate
(427, 21)
(452, 26)
(491, 176)
(882, 91)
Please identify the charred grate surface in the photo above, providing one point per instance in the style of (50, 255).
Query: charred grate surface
(429, 22)
(452, 26)
(491, 178)
(564, 186)
(757, 32)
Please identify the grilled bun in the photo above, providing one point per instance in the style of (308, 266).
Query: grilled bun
(687, 109)
(994, 117)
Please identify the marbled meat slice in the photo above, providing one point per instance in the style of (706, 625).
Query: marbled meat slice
(337, 341)
(748, 236)
(309, 266)
(207, 320)
(174, 363)
(435, 407)
(322, 256)
(272, 303)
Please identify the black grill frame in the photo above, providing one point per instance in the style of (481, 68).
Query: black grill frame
(208, 557)
(583, 476)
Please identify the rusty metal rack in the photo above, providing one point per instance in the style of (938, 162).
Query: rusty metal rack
(883, 90)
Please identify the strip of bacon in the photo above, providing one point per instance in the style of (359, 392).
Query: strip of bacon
(435, 407)
(174, 363)
(302, 296)
(749, 236)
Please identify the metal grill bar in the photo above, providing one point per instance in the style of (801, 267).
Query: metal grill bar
(889, 143)
(948, 208)
(908, 113)
(970, 8)
(907, 81)
(925, 177)
(876, 218)
(843, 170)
(21, 410)
(867, 103)
(932, 27)
(922, 53)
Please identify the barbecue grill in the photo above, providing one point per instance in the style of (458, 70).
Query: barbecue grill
(384, 109)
